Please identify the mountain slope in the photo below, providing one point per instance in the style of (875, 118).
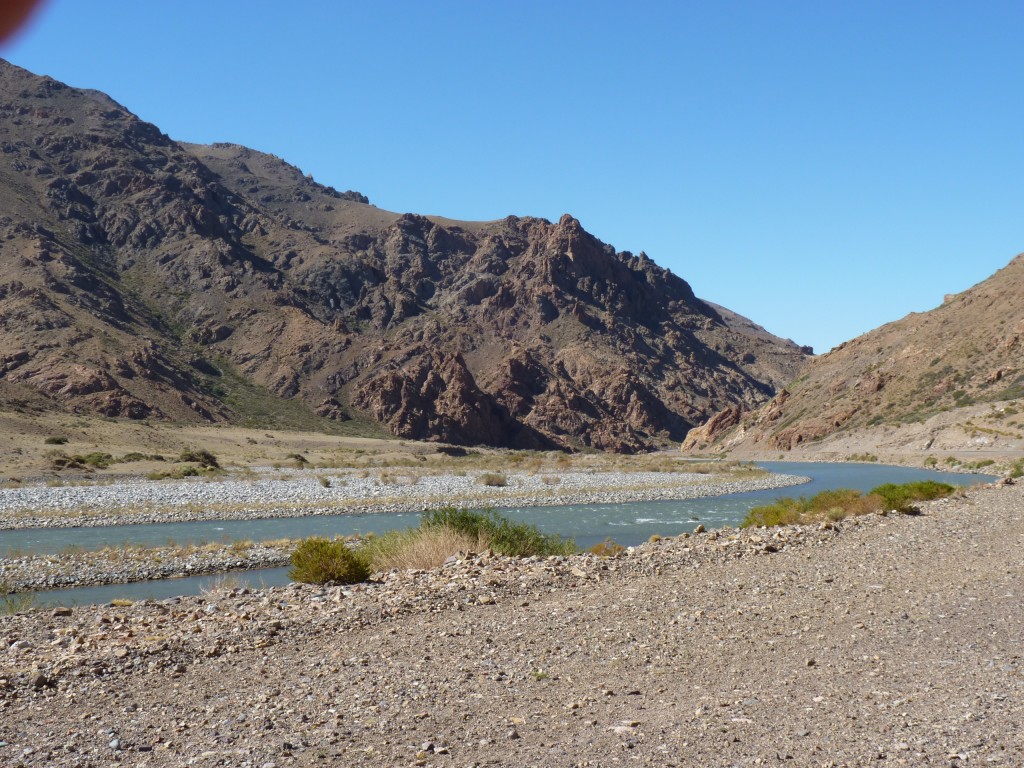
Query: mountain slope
(148, 278)
(947, 361)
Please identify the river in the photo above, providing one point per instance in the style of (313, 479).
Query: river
(628, 524)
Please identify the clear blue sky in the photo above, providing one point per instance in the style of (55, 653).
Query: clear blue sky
(820, 167)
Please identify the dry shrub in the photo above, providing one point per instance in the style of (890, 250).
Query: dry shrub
(398, 478)
(607, 548)
(493, 479)
(419, 548)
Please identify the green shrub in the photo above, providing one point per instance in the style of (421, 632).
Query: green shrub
(506, 537)
(55, 440)
(320, 561)
(200, 456)
(785, 511)
(96, 459)
(177, 473)
(843, 502)
(134, 456)
(1018, 469)
(902, 497)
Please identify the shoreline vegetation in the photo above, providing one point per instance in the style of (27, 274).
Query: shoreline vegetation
(840, 503)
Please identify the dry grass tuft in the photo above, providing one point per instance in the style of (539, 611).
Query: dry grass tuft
(419, 548)
(493, 479)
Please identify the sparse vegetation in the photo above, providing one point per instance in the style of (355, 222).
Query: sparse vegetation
(176, 473)
(199, 456)
(863, 457)
(11, 602)
(95, 460)
(493, 479)
(980, 464)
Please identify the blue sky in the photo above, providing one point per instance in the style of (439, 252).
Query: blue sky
(820, 167)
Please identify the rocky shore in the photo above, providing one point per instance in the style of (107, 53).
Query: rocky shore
(121, 565)
(876, 641)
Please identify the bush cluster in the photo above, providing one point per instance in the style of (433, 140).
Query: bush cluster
(502, 535)
(844, 502)
(200, 456)
(440, 535)
(321, 561)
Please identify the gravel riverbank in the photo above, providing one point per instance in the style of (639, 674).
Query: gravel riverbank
(311, 492)
(122, 565)
(878, 641)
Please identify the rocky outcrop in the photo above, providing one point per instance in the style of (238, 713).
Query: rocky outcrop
(703, 436)
(436, 398)
(148, 278)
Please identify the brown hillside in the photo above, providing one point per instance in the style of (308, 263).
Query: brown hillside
(947, 361)
(147, 278)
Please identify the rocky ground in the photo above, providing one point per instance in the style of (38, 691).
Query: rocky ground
(879, 641)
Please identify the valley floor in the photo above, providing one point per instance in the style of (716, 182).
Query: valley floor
(880, 641)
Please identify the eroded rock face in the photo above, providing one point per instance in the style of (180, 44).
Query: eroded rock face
(704, 435)
(136, 268)
(436, 398)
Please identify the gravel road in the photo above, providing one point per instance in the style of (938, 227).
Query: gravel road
(880, 641)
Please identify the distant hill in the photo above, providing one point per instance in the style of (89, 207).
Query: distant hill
(146, 278)
(946, 378)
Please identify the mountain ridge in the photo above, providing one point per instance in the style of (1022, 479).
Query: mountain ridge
(145, 277)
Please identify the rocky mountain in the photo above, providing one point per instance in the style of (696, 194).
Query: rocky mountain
(146, 278)
(947, 362)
